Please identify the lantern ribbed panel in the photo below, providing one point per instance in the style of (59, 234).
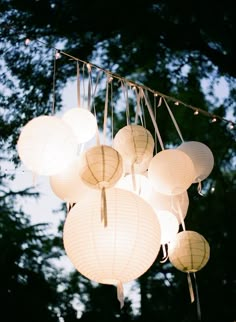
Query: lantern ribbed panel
(171, 172)
(136, 145)
(120, 252)
(161, 202)
(68, 185)
(189, 252)
(101, 167)
(82, 122)
(46, 145)
(201, 156)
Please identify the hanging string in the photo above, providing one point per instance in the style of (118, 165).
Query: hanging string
(165, 255)
(190, 287)
(78, 83)
(112, 112)
(104, 207)
(153, 120)
(83, 100)
(199, 314)
(89, 85)
(173, 119)
(125, 92)
(120, 294)
(54, 82)
(199, 188)
(105, 111)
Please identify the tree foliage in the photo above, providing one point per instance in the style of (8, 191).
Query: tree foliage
(169, 46)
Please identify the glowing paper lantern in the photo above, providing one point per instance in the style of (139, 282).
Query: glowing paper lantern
(82, 122)
(101, 167)
(68, 185)
(171, 172)
(201, 156)
(176, 205)
(136, 145)
(189, 251)
(141, 186)
(46, 145)
(169, 226)
(120, 252)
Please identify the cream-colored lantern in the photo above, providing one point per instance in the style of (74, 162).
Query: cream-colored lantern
(82, 122)
(201, 156)
(120, 252)
(135, 143)
(189, 251)
(68, 185)
(46, 145)
(169, 226)
(176, 205)
(101, 167)
(171, 172)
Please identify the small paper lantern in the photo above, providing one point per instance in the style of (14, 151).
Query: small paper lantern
(136, 145)
(68, 185)
(171, 172)
(120, 252)
(201, 156)
(82, 122)
(176, 205)
(169, 226)
(189, 251)
(46, 145)
(101, 167)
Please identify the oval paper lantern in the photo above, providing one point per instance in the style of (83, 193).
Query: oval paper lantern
(176, 205)
(201, 156)
(82, 122)
(68, 185)
(101, 167)
(171, 172)
(189, 251)
(136, 145)
(120, 252)
(46, 145)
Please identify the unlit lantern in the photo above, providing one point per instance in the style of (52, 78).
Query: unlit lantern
(171, 172)
(201, 156)
(189, 251)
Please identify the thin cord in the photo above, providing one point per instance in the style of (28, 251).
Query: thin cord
(54, 82)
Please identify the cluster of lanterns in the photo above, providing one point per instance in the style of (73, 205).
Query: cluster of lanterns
(124, 201)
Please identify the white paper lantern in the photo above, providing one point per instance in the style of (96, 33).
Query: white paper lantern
(120, 252)
(68, 185)
(171, 172)
(189, 251)
(101, 167)
(169, 226)
(46, 145)
(138, 184)
(82, 122)
(176, 205)
(136, 145)
(201, 156)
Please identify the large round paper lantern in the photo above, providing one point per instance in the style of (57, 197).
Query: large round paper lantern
(120, 252)
(68, 185)
(46, 145)
(171, 172)
(136, 145)
(101, 167)
(201, 156)
(82, 122)
(189, 251)
(176, 205)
